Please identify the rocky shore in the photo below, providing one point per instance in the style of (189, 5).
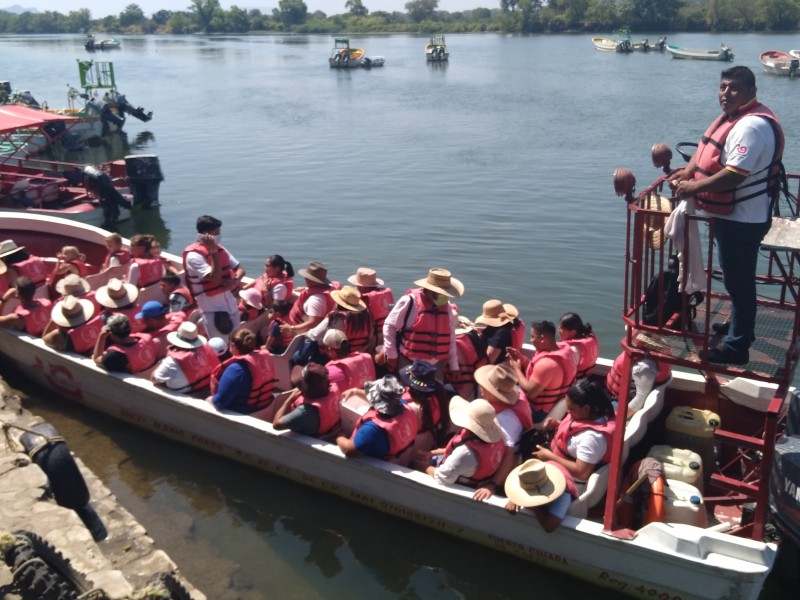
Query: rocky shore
(124, 564)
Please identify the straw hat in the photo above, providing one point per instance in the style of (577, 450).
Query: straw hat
(500, 380)
(3, 268)
(72, 311)
(252, 297)
(478, 416)
(69, 285)
(420, 375)
(654, 222)
(463, 325)
(384, 395)
(442, 282)
(534, 483)
(365, 278)
(350, 298)
(117, 293)
(186, 336)
(317, 272)
(493, 314)
(511, 310)
(9, 247)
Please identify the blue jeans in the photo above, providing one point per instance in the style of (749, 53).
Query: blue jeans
(737, 251)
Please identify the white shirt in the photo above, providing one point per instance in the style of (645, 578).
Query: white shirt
(169, 373)
(199, 267)
(588, 446)
(510, 425)
(316, 305)
(461, 462)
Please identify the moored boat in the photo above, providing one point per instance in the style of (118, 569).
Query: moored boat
(373, 61)
(343, 56)
(436, 49)
(93, 43)
(780, 63)
(723, 53)
(609, 45)
(795, 53)
(660, 559)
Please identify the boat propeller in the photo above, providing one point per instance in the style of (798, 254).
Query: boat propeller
(624, 184)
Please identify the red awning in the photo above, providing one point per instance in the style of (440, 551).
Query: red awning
(13, 117)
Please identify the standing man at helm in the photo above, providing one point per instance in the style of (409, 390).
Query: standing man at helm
(735, 177)
(422, 325)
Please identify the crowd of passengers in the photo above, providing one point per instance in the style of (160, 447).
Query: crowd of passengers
(425, 373)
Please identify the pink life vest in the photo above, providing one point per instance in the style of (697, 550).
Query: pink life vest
(588, 350)
(432, 402)
(265, 284)
(151, 270)
(569, 480)
(569, 428)
(521, 409)
(518, 333)
(471, 353)
(196, 365)
(137, 325)
(197, 285)
(489, 455)
(548, 397)
(709, 161)
(614, 377)
(400, 429)
(379, 302)
(83, 336)
(262, 372)
(327, 409)
(430, 335)
(141, 355)
(297, 314)
(358, 368)
(174, 321)
(36, 318)
(34, 268)
(123, 256)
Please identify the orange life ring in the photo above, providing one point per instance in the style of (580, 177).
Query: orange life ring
(654, 508)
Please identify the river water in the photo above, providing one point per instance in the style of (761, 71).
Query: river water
(497, 166)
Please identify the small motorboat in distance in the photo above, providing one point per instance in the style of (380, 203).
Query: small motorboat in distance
(436, 49)
(723, 53)
(345, 57)
(373, 61)
(609, 45)
(794, 53)
(105, 44)
(780, 63)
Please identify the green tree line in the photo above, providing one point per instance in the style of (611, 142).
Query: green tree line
(424, 16)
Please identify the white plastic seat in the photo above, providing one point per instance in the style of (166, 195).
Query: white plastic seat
(100, 279)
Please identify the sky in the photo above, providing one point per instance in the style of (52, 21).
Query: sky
(102, 8)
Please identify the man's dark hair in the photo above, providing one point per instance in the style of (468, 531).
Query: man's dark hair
(207, 224)
(171, 278)
(544, 328)
(741, 74)
(25, 287)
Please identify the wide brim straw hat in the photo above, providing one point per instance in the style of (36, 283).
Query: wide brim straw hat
(654, 222)
(8, 247)
(117, 293)
(478, 416)
(500, 381)
(511, 310)
(72, 280)
(315, 271)
(186, 336)
(463, 325)
(350, 298)
(72, 311)
(365, 277)
(494, 314)
(442, 282)
(534, 483)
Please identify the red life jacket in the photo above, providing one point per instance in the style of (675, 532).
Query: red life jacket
(489, 455)
(262, 372)
(432, 402)
(265, 284)
(358, 368)
(285, 337)
(196, 365)
(709, 161)
(151, 270)
(400, 429)
(521, 409)
(588, 350)
(196, 284)
(185, 293)
(174, 321)
(36, 318)
(358, 327)
(123, 256)
(84, 336)
(571, 487)
(471, 352)
(83, 268)
(327, 409)
(548, 397)
(248, 313)
(614, 377)
(430, 335)
(379, 302)
(297, 316)
(137, 325)
(34, 268)
(518, 334)
(3, 285)
(141, 355)
(569, 428)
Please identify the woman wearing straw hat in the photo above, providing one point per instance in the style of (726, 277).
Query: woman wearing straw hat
(313, 407)
(19, 262)
(379, 299)
(498, 386)
(73, 326)
(32, 315)
(314, 302)
(117, 349)
(542, 486)
(189, 362)
(422, 324)
(119, 297)
(497, 326)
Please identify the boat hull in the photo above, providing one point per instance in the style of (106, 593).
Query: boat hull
(784, 64)
(605, 44)
(700, 54)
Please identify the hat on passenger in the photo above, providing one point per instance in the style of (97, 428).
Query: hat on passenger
(511, 310)
(252, 297)
(72, 284)
(349, 298)
(442, 282)
(152, 309)
(463, 325)
(72, 311)
(365, 277)
(534, 483)
(186, 336)
(500, 381)
(117, 293)
(315, 271)
(218, 345)
(420, 375)
(119, 325)
(494, 314)
(478, 416)
(8, 247)
(384, 395)
(312, 380)
(334, 338)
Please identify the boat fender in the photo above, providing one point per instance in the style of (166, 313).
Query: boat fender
(643, 501)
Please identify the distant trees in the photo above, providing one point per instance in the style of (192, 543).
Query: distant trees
(291, 12)
(356, 8)
(419, 10)
(204, 11)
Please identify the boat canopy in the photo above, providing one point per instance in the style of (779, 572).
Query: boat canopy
(13, 118)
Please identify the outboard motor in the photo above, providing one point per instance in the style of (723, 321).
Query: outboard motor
(784, 489)
(25, 98)
(100, 185)
(58, 130)
(794, 65)
(144, 178)
(5, 92)
(124, 107)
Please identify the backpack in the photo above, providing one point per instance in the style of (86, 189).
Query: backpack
(663, 293)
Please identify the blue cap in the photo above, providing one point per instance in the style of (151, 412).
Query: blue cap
(152, 309)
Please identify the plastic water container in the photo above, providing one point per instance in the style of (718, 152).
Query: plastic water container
(693, 429)
(680, 463)
(350, 410)
(683, 503)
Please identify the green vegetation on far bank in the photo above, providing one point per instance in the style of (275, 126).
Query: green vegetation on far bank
(423, 16)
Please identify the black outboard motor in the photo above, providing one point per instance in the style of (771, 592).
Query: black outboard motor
(58, 130)
(784, 489)
(100, 185)
(794, 65)
(5, 92)
(144, 178)
(25, 98)
(124, 107)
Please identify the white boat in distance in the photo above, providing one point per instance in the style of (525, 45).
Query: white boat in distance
(723, 53)
(776, 62)
(669, 560)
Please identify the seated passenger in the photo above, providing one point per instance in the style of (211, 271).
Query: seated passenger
(498, 386)
(646, 374)
(245, 382)
(313, 408)
(69, 260)
(155, 252)
(158, 322)
(117, 349)
(117, 254)
(314, 302)
(578, 335)
(32, 315)
(379, 300)
(497, 326)
(387, 429)
(277, 342)
(118, 297)
(346, 369)
(583, 438)
(471, 353)
(357, 321)
(543, 486)
(18, 262)
(179, 297)
(425, 395)
(518, 328)
(189, 362)
(253, 315)
(276, 284)
(144, 270)
(73, 326)
(476, 456)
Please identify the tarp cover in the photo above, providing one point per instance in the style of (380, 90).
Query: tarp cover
(13, 117)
